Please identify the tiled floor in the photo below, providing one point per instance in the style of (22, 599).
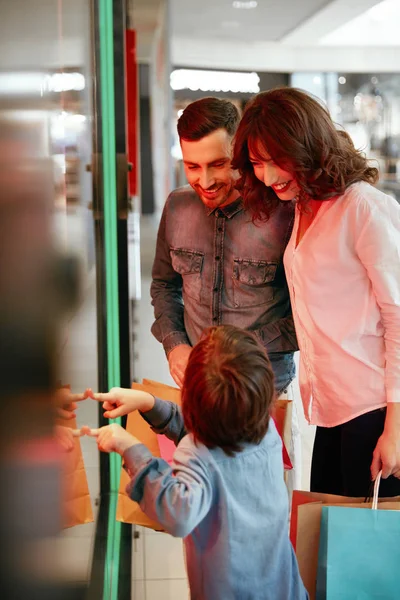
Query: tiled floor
(158, 567)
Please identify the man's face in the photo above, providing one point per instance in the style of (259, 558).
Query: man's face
(208, 168)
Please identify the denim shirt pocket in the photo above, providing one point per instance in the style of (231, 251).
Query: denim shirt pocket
(253, 282)
(189, 264)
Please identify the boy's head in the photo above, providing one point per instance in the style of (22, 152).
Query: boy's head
(228, 389)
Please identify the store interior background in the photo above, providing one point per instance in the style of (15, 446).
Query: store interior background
(346, 53)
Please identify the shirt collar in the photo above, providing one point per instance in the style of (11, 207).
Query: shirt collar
(230, 210)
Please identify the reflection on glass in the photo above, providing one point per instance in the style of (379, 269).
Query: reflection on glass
(46, 119)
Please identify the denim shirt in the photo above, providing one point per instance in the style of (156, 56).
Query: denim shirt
(232, 511)
(216, 267)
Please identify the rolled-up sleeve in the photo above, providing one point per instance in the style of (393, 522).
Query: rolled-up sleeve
(178, 497)
(166, 418)
(378, 247)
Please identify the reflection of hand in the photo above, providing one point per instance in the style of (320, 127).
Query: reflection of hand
(112, 438)
(178, 359)
(121, 401)
(387, 456)
(66, 437)
(66, 403)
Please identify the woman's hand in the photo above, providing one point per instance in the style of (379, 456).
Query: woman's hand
(121, 401)
(112, 438)
(387, 456)
(387, 452)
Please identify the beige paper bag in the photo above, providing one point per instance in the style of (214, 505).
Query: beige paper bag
(129, 511)
(77, 504)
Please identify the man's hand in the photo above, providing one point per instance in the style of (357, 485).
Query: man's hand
(121, 401)
(178, 359)
(112, 438)
(66, 403)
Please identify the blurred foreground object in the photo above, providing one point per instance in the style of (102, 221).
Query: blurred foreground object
(37, 287)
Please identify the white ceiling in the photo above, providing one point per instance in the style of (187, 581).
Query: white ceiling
(379, 25)
(270, 21)
(277, 35)
(39, 34)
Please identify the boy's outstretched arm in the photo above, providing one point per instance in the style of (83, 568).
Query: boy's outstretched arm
(121, 401)
(178, 497)
(163, 416)
(166, 418)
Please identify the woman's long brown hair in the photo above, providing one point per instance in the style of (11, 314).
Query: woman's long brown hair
(298, 134)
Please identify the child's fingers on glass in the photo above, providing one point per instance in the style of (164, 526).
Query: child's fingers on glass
(65, 414)
(76, 397)
(91, 432)
(107, 405)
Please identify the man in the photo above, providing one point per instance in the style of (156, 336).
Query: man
(213, 265)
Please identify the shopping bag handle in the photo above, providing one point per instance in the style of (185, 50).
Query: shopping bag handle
(376, 491)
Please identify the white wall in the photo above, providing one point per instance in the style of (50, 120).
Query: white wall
(161, 109)
(274, 57)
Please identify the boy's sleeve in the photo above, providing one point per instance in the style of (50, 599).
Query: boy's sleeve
(166, 418)
(177, 497)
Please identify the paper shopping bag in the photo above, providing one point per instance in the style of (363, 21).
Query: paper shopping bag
(129, 511)
(282, 415)
(305, 529)
(77, 504)
(359, 553)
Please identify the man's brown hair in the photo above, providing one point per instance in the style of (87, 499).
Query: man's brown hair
(298, 133)
(204, 116)
(228, 389)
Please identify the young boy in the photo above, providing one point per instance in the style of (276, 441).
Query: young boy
(225, 493)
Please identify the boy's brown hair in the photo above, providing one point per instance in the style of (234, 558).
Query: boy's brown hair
(228, 389)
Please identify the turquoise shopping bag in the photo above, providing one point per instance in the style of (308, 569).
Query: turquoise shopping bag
(359, 553)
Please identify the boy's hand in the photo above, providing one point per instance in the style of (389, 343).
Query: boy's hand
(66, 402)
(121, 401)
(112, 438)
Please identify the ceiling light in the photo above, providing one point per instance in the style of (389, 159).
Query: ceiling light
(64, 82)
(245, 4)
(30, 83)
(215, 81)
(342, 80)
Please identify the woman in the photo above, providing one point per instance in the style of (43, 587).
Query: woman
(343, 269)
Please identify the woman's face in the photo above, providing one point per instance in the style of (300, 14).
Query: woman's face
(282, 182)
